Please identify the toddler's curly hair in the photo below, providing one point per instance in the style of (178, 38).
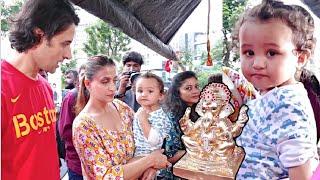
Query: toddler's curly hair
(296, 17)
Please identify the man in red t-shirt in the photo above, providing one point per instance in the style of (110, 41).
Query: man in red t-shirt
(41, 33)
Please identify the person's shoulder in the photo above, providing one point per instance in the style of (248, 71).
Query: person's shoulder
(157, 115)
(121, 104)
(45, 84)
(82, 120)
(72, 94)
(124, 108)
(43, 81)
(289, 93)
(12, 78)
(310, 81)
(74, 91)
(171, 115)
(7, 71)
(160, 112)
(4, 65)
(291, 98)
(69, 100)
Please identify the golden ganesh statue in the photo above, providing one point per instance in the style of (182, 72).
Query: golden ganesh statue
(211, 149)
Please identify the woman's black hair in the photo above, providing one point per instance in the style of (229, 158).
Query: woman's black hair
(173, 102)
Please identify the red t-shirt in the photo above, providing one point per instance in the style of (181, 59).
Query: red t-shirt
(28, 115)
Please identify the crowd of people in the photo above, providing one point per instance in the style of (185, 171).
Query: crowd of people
(125, 126)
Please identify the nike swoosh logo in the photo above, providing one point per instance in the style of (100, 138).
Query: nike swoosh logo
(14, 100)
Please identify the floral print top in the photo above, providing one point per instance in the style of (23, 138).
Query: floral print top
(103, 152)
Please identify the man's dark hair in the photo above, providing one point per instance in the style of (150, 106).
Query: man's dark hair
(74, 72)
(75, 79)
(51, 16)
(132, 56)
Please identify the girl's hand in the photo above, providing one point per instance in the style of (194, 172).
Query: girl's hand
(142, 114)
(159, 160)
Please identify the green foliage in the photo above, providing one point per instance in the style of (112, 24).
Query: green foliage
(186, 58)
(204, 71)
(232, 9)
(204, 74)
(221, 51)
(6, 13)
(217, 52)
(72, 64)
(107, 40)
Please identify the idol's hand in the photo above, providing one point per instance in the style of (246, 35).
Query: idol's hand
(241, 122)
(187, 113)
(243, 116)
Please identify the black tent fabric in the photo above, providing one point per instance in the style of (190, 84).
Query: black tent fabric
(151, 22)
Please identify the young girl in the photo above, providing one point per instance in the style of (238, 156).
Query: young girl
(151, 125)
(102, 131)
(280, 137)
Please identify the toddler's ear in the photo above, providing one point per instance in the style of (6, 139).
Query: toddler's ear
(303, 58)
(161, 98)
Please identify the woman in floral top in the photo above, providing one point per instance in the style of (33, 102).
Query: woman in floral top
(102, 131)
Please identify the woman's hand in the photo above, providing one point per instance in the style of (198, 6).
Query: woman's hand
(177, 156)
(149, 174)
(159, 160)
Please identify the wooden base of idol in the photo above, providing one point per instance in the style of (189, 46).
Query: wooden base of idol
(190, 168)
